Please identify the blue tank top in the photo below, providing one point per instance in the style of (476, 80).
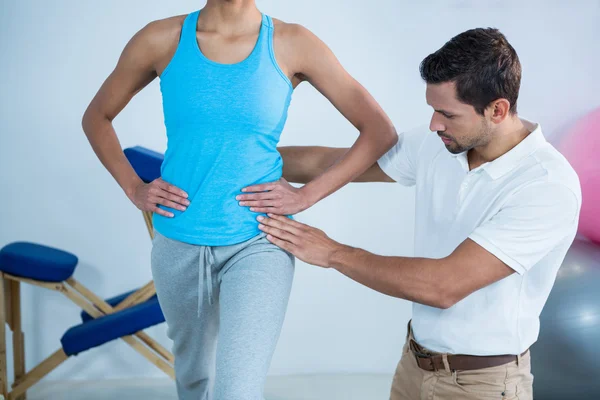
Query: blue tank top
(223, 124)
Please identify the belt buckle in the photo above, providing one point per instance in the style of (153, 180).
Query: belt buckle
(422, 356)
(429, 358)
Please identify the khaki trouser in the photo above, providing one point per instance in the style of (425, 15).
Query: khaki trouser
(505, 382)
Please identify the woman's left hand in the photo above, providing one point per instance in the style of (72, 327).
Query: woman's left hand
(275, 197)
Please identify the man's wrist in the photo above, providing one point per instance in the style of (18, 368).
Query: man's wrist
(339, 257)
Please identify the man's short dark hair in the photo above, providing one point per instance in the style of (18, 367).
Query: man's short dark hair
(482, 64)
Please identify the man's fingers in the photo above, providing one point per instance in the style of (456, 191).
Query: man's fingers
(280, 225)
(260, 188)
(171, 188)
(287, 221)
(287, 246)
(278, 233)
(162, 212)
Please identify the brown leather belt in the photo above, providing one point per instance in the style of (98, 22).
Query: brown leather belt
(435, 362)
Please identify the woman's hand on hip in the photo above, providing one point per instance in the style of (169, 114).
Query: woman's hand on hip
(147, 197)
(275, 197)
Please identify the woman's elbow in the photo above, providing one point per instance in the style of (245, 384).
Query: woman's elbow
(383, 134)
(390, 136)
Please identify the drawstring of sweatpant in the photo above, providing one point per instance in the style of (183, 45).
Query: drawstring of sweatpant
(205, 277)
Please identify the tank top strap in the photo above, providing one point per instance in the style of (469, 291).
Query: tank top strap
(188, 40)
(263, 40)
(268, 21)
(267, 35)
(270, 47)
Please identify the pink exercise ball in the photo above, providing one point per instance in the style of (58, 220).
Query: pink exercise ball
(581, 146)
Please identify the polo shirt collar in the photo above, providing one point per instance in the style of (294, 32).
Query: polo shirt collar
(511, 159)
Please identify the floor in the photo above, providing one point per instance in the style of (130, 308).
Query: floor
(305, 387)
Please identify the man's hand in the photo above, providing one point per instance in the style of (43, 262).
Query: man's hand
(309, 244)
(147, 197)
(275, 197)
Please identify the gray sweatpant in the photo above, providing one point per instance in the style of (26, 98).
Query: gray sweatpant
(224, 307)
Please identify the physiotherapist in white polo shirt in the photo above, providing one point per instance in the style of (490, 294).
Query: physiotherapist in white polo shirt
(496, 211)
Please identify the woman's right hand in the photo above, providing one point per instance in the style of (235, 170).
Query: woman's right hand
(147, 197)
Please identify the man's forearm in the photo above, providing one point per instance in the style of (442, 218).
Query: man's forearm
(416, 279)
(369, 146)
(302, 164)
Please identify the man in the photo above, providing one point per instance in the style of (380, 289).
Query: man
(496, 211)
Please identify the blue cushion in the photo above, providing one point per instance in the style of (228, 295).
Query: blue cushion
(96, 332)
(113, 301)
(35, 261)
(145, 162)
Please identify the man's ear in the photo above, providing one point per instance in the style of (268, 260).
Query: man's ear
(498, 110)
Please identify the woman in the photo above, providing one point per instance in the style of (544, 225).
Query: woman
(227, 73)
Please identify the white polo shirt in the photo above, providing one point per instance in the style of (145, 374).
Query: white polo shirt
(522, 207)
